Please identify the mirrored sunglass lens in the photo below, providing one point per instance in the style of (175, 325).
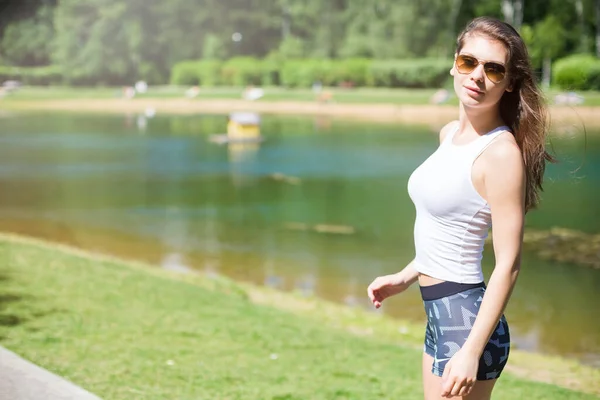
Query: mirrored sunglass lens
(495, 71)
(466, 64)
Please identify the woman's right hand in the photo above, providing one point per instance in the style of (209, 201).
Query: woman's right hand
(383, 287)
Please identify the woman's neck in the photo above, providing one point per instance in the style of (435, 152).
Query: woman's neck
(478, 121)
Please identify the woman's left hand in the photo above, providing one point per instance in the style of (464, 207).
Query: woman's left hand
(460, 374)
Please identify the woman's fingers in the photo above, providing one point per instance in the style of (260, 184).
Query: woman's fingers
(457, 387)
(377, 292)
(453, 390)
(464, 390)
(377, 299)
(373, 296)
(370, 293)
(447, 380)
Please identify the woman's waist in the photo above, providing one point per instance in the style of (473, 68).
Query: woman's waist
(434, 270)
(447, 288)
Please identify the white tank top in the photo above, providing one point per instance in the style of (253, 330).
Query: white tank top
(452, 219)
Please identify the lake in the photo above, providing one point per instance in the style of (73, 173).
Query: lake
(320, 207)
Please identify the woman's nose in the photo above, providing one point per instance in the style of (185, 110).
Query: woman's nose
(478, 73)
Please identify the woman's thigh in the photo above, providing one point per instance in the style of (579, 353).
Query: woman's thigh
(432, 385)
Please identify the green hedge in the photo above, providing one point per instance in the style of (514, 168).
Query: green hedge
(356, 72)
(41, 76)
(242, 71)
(303, 73)
(205, 73)
(577, 72)
(414, 73)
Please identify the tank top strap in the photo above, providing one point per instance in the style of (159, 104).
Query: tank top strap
(450, 135)
(486, 140)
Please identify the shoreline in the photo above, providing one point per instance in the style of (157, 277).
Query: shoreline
(535, 367)
(567, 118)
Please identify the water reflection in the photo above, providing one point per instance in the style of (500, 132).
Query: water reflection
(272, 279)
(241, 157)
(175, 262)
(306, 284)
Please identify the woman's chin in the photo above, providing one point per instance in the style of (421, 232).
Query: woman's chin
(469, 101)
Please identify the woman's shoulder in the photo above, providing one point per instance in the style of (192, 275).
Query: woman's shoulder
(504, 151)
(447, 129)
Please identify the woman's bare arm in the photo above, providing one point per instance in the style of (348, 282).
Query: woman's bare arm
(504, 180)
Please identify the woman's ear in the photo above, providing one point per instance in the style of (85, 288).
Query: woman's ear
(510, 87)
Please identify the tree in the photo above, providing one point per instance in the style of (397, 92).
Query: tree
(12, 11)
(583, 37)
(28, 42)
(546, 40)
(597, 15)
(513, 12)
(119, 41)
(110, 41)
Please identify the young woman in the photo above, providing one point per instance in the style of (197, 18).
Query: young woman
(487, 171)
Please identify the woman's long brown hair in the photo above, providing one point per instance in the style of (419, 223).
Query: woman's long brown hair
(524, 108)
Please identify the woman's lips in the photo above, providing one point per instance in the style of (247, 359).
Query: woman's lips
(473, 90)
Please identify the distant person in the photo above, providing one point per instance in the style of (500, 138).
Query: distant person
(252, 93)
(141, 87)
(317, 86)
(487, 169)
(11, 86)
(440, 97)
(325, 96)
(128, 92)
(192, 92)
(322, 96)
(569, 99)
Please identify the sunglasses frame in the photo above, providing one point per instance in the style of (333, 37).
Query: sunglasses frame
(480, 62)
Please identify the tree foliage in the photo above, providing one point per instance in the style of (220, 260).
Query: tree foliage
(119, 41)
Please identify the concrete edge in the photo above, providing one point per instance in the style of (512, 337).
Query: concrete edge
(22, 380)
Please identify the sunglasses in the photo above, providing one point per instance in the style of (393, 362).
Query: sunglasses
(495, 72)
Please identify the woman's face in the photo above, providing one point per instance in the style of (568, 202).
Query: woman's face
(475, 89)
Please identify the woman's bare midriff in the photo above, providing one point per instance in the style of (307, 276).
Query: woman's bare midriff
(426, 280)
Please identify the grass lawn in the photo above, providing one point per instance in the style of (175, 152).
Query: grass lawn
(343, 96)
(128, 331)
(402, 96)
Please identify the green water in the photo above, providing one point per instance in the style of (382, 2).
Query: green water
(156, 189)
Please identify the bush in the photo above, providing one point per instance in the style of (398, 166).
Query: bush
(187, 73)
(42, 76)
(351, 70)
(209, 72)
(271, 70)
(242, 71)
(302, 72)
(577, 72)
(593, 82)
(276, 70)
(414, 73)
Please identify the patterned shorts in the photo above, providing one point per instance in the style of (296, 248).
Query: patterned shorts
(451, 309)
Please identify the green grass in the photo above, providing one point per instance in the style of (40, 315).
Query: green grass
(125, 331)
(402, 96)
(343, 96)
